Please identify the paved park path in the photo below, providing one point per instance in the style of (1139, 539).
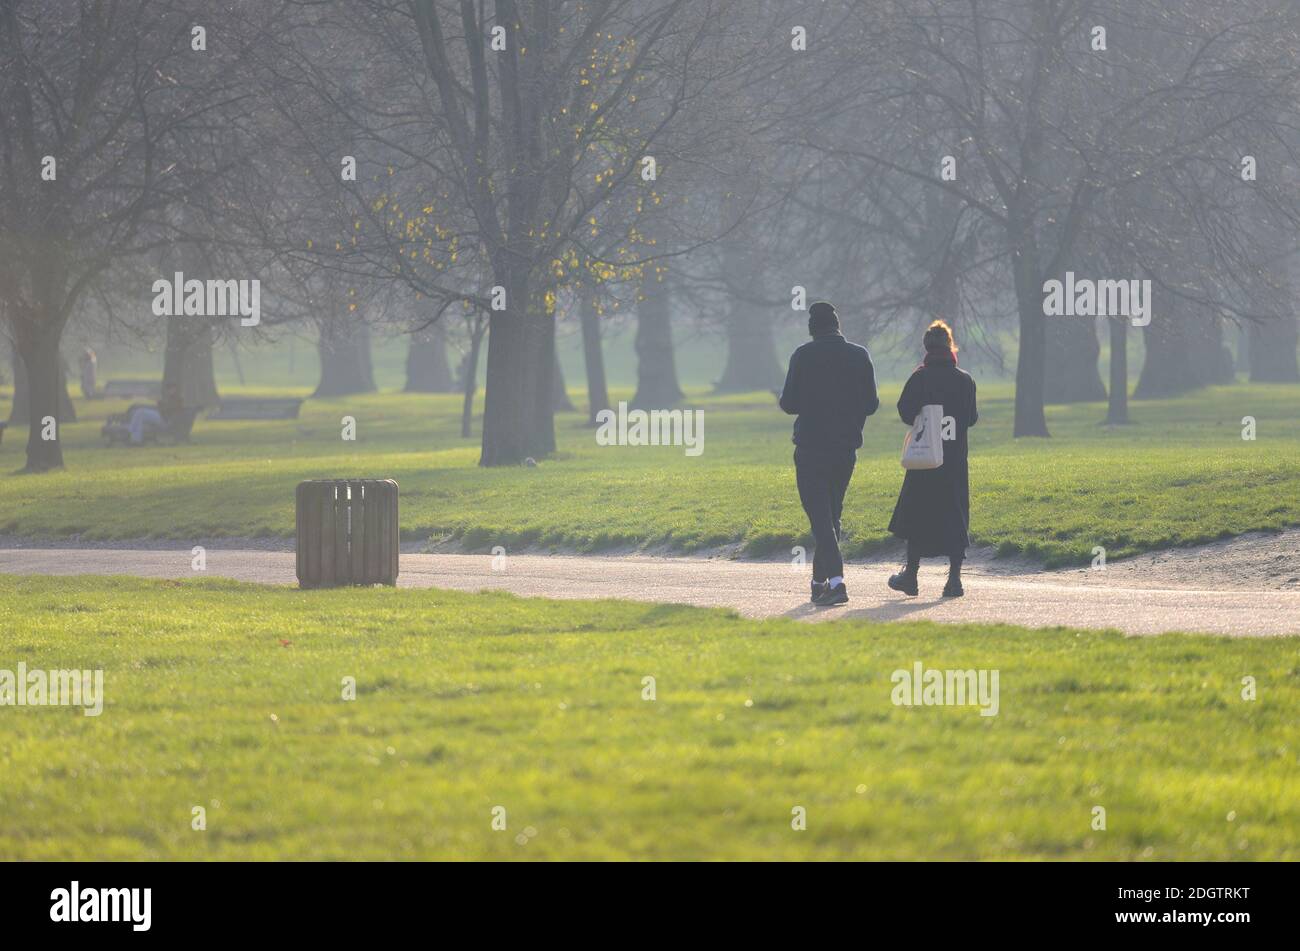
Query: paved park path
(1130, 597)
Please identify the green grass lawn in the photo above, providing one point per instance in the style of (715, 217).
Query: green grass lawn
(1182, 475)
(229, 696)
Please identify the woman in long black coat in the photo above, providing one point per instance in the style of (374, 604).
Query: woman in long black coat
(933, 510)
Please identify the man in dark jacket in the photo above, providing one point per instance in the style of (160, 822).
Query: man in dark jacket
(831, 388)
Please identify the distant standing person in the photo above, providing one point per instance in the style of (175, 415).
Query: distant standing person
(89, 366)
(933, 510)
(831, 388)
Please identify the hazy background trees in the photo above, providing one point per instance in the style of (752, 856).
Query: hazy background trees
(111, 116)
(508, 180)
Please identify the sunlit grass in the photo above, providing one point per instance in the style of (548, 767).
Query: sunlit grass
(229, 696)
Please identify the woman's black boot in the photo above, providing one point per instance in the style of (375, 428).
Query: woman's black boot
(905, 580)
(953, 588)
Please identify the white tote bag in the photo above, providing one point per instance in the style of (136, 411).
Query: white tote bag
(923, 447)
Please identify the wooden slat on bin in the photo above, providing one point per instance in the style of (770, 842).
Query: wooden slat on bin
(325, 516)
(299, 526)
(342, 569)
(312, 502)
(394, 550)
(317, 508)
(308, 534)
(385, 532)
(377, 514)
(373, 540)
(357, 541)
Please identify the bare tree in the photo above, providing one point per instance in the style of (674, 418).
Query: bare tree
(96, 100)
(1048, 124)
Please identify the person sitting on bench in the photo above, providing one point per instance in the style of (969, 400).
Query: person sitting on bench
(144, 419)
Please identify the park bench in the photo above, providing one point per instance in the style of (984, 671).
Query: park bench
(177, 430)
(133, 389)
(244, 407)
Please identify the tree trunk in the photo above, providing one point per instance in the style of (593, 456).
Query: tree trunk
(945, 296)
(427, 369)
(540, 435)
(503, 410)
(187, 361)
(751, 351)
(47, 397)
(752, 361)
(656, 365)
(239, 366)
(1073, 352)
(345, 366)
(560, 401)
(1117, 408)
(1183, 353)
(469, 382)
(1030, 419)
(1273, 350)
(517, 411)
(593, 357)
(18, 409)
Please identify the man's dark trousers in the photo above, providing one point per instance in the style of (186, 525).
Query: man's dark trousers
(823, 477)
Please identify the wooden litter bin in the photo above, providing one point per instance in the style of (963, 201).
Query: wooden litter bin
(347, 532)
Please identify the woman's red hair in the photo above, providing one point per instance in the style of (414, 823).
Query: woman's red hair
(938, 336)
